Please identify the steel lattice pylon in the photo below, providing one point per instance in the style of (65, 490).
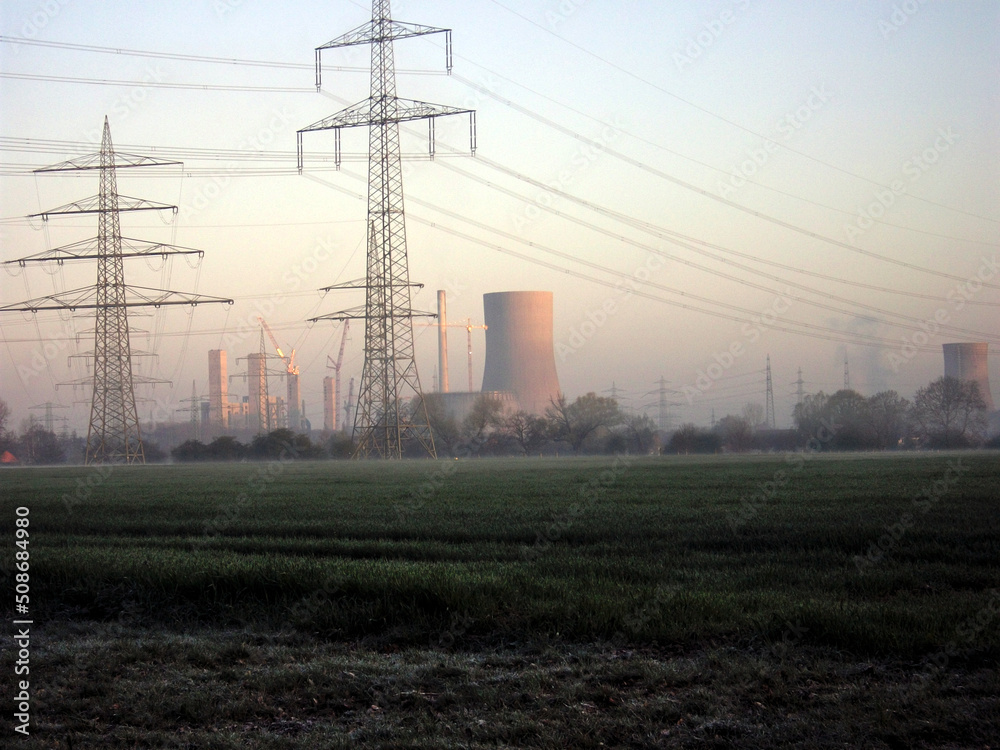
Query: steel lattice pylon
(391, 415)
(113, 434)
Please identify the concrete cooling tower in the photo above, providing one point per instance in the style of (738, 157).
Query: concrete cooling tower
(969, 362)
(520, 352)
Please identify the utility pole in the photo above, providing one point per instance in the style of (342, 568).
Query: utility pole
(769, 406)
(384, 423)
(113, 434)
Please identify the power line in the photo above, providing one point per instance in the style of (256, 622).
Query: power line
(719, 117)
(156, 84)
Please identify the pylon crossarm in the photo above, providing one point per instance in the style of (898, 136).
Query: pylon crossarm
(136, 380)
(359, 313)
(370, 32)
(360, 114)
(90, 250)
(92, 205)
(121, 161)
(86, 299)
(363, 284)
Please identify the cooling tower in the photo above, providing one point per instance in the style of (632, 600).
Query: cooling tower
(218, 395)
(969, 362)
(520, 354)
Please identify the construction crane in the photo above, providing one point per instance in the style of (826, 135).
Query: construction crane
(335, 366)
(289, 360)
(469, 327)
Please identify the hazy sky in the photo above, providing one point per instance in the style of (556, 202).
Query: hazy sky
(829, 170)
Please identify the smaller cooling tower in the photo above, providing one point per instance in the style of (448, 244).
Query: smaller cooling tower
(969, 362)
(520, 353)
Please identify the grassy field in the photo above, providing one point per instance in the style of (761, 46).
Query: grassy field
(656, 602)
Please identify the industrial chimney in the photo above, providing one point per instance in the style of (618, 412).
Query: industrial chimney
(520, 354)
(969, 362)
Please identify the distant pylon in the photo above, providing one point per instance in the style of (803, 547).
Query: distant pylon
(113, 434)
(384, 422)
(769, 408)
(800, 393)
(847, 375)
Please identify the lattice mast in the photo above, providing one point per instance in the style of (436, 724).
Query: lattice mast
(769, 401)
(113, 433)
(384, 424)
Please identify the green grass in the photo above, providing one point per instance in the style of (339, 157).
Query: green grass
(688, 574)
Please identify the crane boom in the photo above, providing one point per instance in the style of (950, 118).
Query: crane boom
(336, 375)
(289, 361)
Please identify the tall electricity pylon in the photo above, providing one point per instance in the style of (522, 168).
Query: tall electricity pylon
(384, 424)
(113, 434)
(769, 399)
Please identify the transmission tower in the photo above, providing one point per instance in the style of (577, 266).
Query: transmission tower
(194, 409)
(262, 418)
(663, 404)
(847, 375)
(113, 434)
(800, 388)
(769, 408)
(384, 424)
(50, 418)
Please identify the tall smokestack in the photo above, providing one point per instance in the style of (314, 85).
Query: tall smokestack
(218, 389)
(969, 361)
(442, 344)
(520, 352)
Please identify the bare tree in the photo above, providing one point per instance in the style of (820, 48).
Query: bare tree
(950, 412)
(753, 412)
(577, 421)
(885, 416)
(527, 431)
(736, 433)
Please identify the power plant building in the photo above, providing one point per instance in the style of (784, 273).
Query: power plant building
(218, 389)
(520, 348)
(969, 362)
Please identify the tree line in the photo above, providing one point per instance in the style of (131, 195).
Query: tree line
(947, 413)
